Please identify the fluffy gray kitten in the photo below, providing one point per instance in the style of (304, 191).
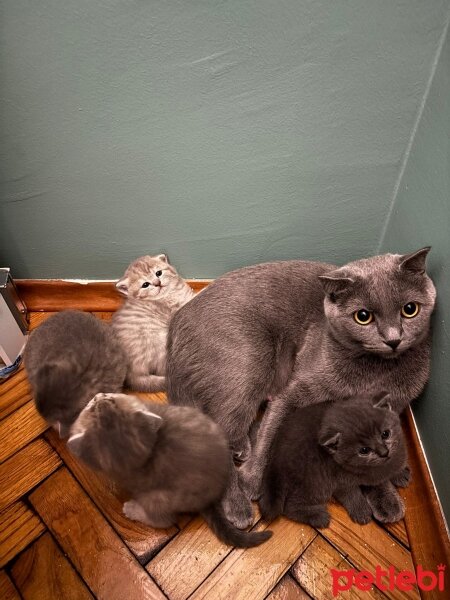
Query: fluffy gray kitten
(68, 359)
(154, 292)
(331, 449)
(300, 333)
(170, 459)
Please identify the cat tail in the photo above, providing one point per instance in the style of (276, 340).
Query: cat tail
(270, 502)
(228, 533)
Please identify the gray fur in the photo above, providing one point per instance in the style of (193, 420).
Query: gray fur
(316, 455)
(277, 330)
(170, 459)
(68, 359)
(141, 323)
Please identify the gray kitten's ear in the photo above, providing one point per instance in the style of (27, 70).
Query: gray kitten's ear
(382, 400)
(330, 442)
(416, 261)
(76, 443)
(122, 285)
(164, 258)
(335, 282)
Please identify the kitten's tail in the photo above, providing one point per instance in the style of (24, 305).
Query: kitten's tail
(228, 533)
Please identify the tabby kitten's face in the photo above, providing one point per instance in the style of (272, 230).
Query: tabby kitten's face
(148, 278)
(381, 305)
(362, 434)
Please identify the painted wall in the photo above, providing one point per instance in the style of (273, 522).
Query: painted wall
(225, 133)
(421, 215)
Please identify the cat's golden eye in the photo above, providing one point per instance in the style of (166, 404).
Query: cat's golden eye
(410, 310)
(363, 316)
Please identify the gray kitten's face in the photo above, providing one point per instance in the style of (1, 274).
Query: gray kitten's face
(381, 305)
(148, 278)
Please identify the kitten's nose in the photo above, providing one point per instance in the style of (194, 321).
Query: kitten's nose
(393, 343)
(156, 282)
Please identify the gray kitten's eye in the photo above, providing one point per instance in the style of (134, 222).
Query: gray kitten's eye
(364, 451)
(363, 316)
(386, 434)
(410, 310)
(158, 273)
(145, 284)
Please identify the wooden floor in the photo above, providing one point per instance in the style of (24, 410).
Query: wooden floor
(63, 535)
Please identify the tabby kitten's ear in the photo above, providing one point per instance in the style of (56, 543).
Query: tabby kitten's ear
(163, 258)
(415, 262)
(382, 400)
(122, 285)
(335, 282)
(330, 441)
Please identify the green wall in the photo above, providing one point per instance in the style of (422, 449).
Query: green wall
(420, 216)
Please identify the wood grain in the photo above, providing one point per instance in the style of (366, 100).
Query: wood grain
(94, 548)
(398, 530)
(26, 469)
(367, 546)
(43, 573)
(18, 429)
(288, 589)
(7, 589)
(19, 526)
(14, 393)
(142, 540)
(313, 571)
(248, 574)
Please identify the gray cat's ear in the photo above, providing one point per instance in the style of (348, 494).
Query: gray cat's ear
(382, 400)
(330, 442)
(76, 443)
(416, 261)
(122, 285)
(335, 282)
(163, 258)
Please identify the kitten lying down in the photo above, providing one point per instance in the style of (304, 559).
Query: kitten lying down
(171, 459)
(331, 449)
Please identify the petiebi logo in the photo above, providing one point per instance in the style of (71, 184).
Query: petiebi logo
(388, 580)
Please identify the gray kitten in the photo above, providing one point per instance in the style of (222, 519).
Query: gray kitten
(171, 459)
(68, 359)
(331, 449)
(300, 333)
(154, 292)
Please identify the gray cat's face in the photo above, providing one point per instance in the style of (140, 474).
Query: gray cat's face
(148, 278)
(381, 305)
(362, 434)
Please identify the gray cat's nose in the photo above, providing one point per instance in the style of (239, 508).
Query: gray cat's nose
(393, 343)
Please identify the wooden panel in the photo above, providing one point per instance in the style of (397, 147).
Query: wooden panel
(7, 589)
(398, 530)
(25, 469)
(252, 573)
(37, 318)
(425, 525)
(43, 573)
(367, 546)
(19, 526)
(14, 393)
(143, 541)
(57, 294)
(96, 551)
(20, 428)
(288, 589)
(313, 571)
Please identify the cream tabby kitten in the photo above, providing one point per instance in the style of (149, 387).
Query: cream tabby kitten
(154, 292)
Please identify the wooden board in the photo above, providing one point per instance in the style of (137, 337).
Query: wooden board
(142, 540)
(14, 393)
(398, 530)
(7, 589)
(19, 526)
(18, 429)
(43, 573)
(25, 469)
(96, 551)
(288, 589)
(248, 574)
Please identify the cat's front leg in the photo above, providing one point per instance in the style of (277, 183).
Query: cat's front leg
(355, 503)
(403, 478)
(134, 511)
(386, 504)
(236, 505)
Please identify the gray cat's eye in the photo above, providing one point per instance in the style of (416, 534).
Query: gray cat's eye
(386, 434)
(145, 284)
(410, 310)
(363, 316)
(364, 451)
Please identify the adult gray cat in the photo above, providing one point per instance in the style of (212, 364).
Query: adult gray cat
(302, 333)
(154, 292)
(68, 359)
(331, 449)
(171, 459)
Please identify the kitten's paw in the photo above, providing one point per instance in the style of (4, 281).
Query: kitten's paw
(402, 479)
(242, 451)
(319, 519)
(387, 509)
(361, 514)
(134, 511)
(238, 510)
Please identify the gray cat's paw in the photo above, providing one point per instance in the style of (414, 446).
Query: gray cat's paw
(361, 514)
(319, 520)
(402, 479)
(134, 511)
(238, 510)
(387, 509)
